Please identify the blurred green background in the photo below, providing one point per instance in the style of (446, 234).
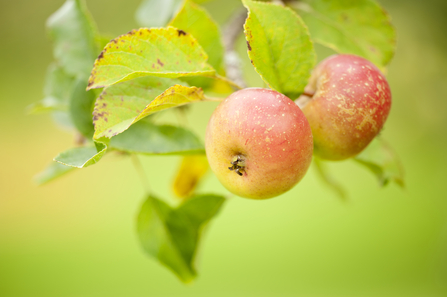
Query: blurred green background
(76, 236)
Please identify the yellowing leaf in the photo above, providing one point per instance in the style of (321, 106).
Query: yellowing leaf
(221, 87)
(122, 105)
(177, 95)
(279, 47)
(191, 171)
(162, 52)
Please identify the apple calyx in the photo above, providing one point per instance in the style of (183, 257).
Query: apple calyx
(238, 165)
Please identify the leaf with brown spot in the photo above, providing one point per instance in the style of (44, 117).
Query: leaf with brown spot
(159, 52)
(128, 102)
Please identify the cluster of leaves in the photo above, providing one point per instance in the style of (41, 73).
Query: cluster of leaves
(179, 60)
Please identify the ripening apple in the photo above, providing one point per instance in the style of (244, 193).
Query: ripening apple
(258, 143)
(348, 102)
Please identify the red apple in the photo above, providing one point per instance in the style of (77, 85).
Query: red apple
(258, 143)
(349, 101)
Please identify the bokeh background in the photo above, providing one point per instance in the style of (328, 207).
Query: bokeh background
(76, 236)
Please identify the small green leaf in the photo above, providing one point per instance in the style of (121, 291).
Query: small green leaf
(162, 52)
(171, 235)
(121, 105)
(279, 47)
(147, 138)
(74, 35)
(81, 157)
(51, 172)
(383, 162)
(57, 91)
(81, 108)
(48, 104)
(156, 13)
(328, 179)
(359, 27)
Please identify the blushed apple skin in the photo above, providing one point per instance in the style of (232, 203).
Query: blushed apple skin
(350, 103)
(270, 132)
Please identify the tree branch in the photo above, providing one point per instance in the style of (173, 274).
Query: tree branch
(232, 60)
(279, 2)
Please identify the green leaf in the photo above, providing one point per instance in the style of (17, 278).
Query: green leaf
(279, 47)
(195, 20)
(51, 172)
(162, 52)
(121, 105)
(383, 162)
(81, 157)
(156, 13)
(81, 108)
(328, 179)
(172, 235)
(57, 91)
(74, 35)
(359, 27)
(148, 138)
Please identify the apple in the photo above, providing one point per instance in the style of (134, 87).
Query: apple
(346, 102)
(258, 143)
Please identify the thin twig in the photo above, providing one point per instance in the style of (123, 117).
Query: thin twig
(279, 2)
(79, 139)
(232, 60)
(140, 170)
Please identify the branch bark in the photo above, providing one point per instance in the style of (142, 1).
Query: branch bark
(232, 60)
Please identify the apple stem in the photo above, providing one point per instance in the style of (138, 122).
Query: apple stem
(307, 94)
(140, 170)
(303, 99)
